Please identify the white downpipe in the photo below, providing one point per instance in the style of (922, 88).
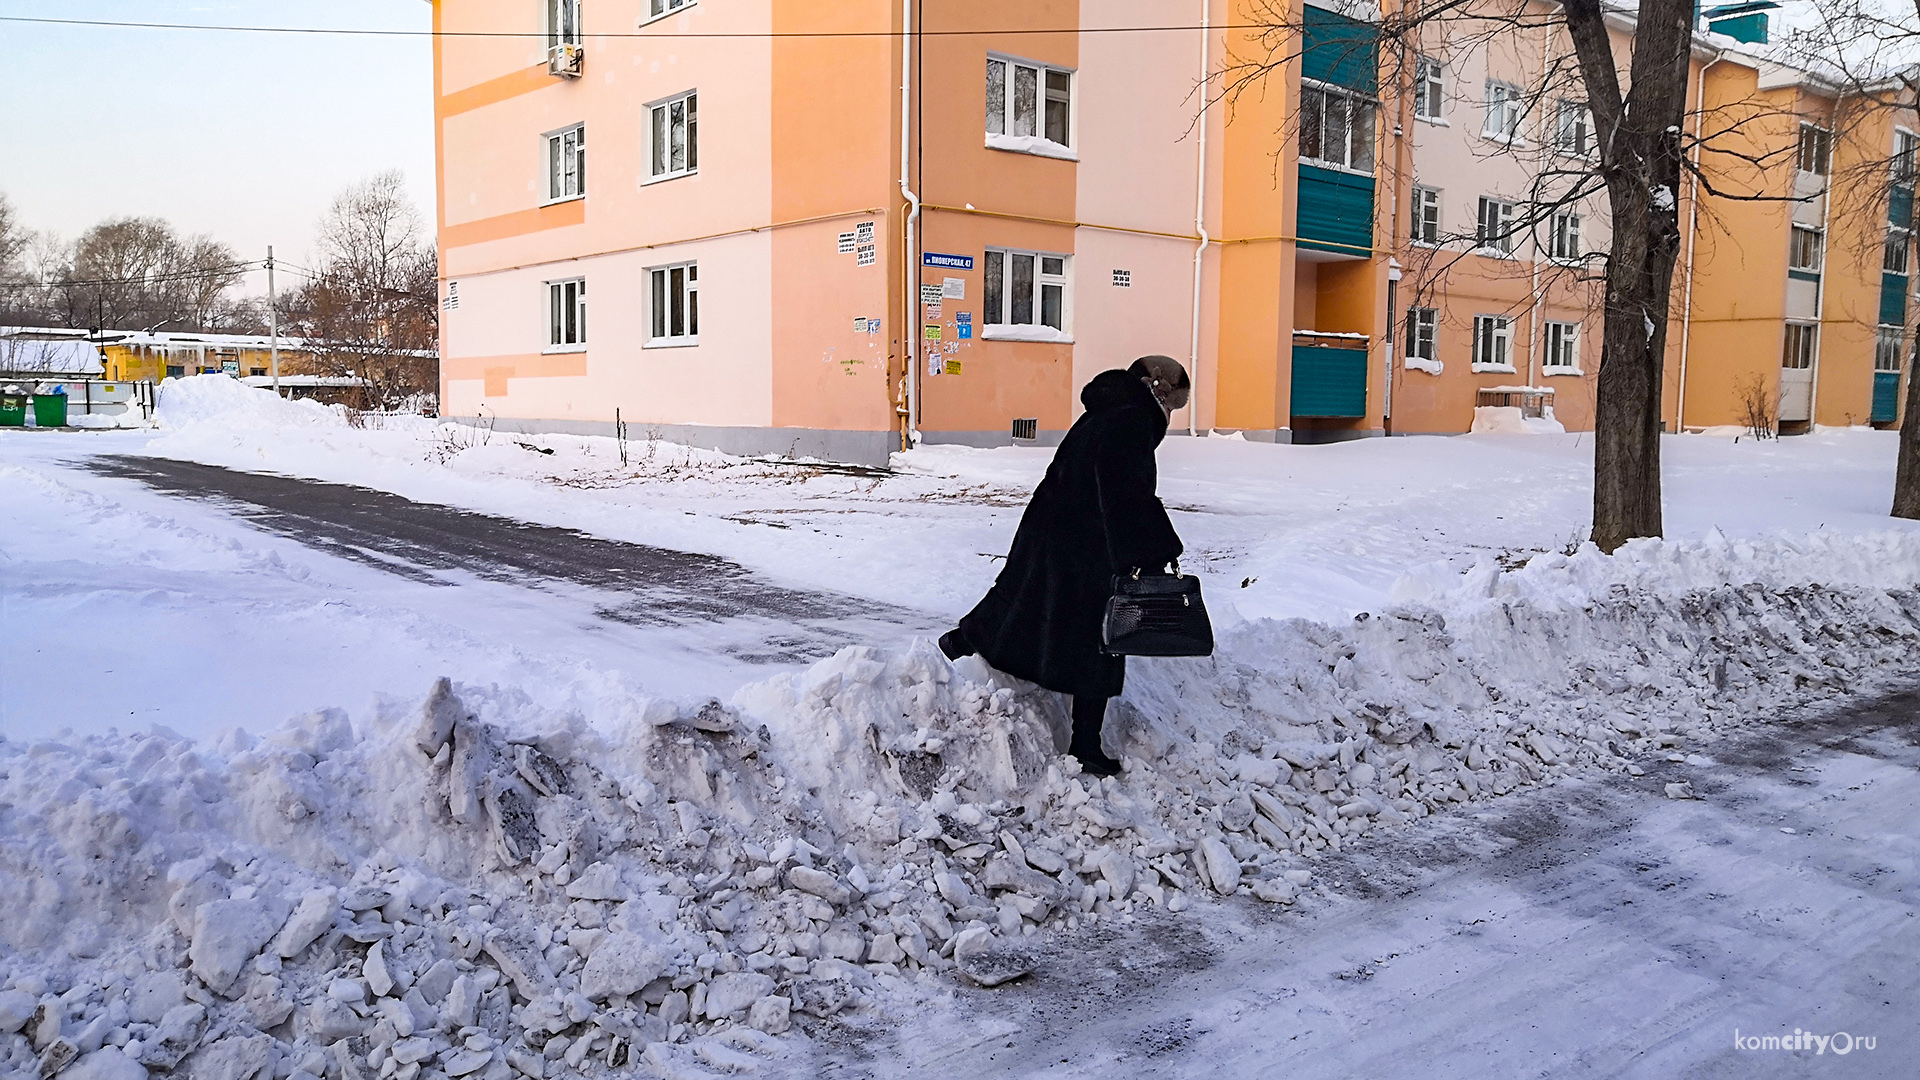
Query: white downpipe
(1693, 232)
(1820, 297)
(911, 275)
(1199, 226)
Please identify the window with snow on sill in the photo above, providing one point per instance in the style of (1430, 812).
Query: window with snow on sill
(1421, 363)
(1008, 332)
(1030, 144)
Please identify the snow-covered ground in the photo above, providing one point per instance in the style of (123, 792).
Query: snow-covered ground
(1410, 632)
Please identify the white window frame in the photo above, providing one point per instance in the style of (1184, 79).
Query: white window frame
(1906, 156)
(1499, 238)
(566, 316)
(1562, 353)
(654, 112)
(1899, 251)
(556, 14)
(1430, 90)
(1817, 142)
(1802, 340)
(1887, 342)
(1423, 340)
(1493, 334)
(1040, 140)
(661, 293)
(997, 311)
(553, 141)
(1502, 100)
(660, 9)
(1564, 243)
(1426, 215)
(1797, 248)
(1315, 95)
(1572, 129)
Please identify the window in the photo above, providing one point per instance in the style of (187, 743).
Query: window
(1503, 111)
(1426, 215)
(1565, 240)
(1423, 324)
(567, 314)
(563, 23)
(1027, 101)
(1563, 347)
(1816, 143)
(676, 304)
(676, 136)
(657, 8)
(1336, 128)
(1906, 156)
(567, 163)
(1492, 343)
(1570, 128)
(1899, 245)
(1429, 88)
(1496, 225)
(1026, 289)
(1800, 343)
(1886, 349)
(1803, 250)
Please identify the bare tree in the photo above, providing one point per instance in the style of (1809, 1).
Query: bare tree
(1640, 159)
(1633, 86)
(371, 306)
(133, 273)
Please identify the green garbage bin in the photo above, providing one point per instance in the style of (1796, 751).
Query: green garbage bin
(50, 410)
(13, 410)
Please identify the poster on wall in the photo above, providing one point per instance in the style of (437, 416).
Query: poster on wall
(953, 288)
(864, 255)
(846, 243)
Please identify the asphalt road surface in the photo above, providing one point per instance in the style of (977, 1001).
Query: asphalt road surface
(628, 583)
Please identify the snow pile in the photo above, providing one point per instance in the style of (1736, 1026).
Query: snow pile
(229, 403)
(475, 886)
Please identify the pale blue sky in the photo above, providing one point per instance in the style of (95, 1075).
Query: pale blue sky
(244, 136)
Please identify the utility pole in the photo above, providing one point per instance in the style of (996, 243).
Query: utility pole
(273, 327)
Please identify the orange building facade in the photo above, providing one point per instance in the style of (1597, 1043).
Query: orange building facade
(837, 230)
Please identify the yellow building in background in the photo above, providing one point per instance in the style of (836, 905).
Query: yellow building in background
(146, 356)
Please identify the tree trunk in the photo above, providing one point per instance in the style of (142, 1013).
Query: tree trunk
(1640, 150)
(1906, 476)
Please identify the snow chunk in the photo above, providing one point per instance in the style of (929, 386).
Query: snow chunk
(227, 934)
(107, 1063)
(736, 992)
(621, 965)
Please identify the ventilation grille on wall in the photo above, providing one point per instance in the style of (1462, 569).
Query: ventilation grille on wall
(1027, 429)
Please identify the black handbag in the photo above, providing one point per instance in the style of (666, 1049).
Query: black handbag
(1156, 615)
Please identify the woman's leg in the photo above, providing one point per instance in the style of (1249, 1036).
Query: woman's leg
(1088, 714)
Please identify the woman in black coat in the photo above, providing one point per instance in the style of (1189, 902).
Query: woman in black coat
(1095, 515)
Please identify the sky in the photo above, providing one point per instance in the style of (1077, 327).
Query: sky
(244, 136)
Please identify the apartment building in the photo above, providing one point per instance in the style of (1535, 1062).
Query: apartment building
(839, 229)
(1797, 300)
(830, 229)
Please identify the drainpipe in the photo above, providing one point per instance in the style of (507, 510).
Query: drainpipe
(1826, 273)
(911, 276)
(1693, 232)
(1200, 227)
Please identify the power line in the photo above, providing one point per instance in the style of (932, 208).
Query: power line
(152, 279)
(623, 34)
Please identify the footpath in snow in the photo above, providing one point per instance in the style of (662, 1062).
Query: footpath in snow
(470, 881)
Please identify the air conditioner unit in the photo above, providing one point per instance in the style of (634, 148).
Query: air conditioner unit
(565, 60)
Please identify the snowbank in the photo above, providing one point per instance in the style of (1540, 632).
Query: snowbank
(478, 886)
(231, 404)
